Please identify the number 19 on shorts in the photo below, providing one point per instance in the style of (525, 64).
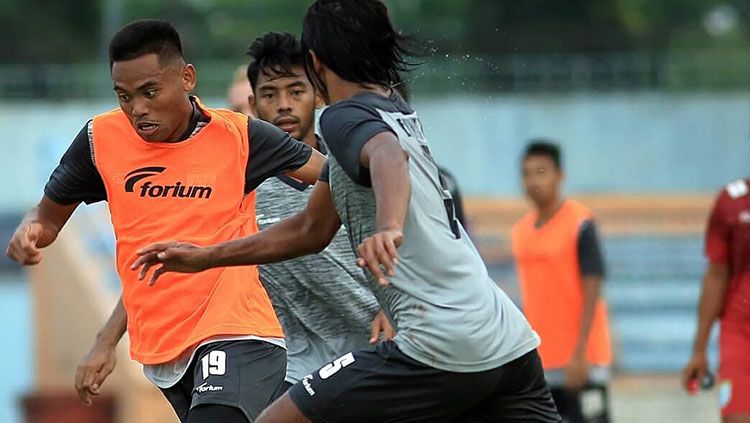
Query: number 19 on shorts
(214, 363)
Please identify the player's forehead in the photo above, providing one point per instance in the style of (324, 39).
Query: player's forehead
(538, 161)
(270, 78)
(143, 70)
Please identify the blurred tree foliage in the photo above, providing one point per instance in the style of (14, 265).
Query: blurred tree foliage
(42, 31)
(47, 31)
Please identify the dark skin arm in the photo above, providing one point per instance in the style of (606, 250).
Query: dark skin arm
(713, 295)
(101, 359)
(38, 229)
(576, 374)
(389, 172)
(307, 232)
(304, 233)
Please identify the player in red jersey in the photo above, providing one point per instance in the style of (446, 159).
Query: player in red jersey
(726, 295)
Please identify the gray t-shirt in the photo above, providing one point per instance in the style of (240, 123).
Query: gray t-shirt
(321, 300)
(448, 313)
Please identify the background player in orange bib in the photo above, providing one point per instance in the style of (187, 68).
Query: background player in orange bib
(171, 168)
(561, 270)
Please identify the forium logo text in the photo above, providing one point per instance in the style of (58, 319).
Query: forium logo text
(148, 189)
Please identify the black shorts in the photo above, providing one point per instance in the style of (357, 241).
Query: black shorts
(382, 384)
(245, 374)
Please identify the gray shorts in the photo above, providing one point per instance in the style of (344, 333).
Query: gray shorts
(246, 374)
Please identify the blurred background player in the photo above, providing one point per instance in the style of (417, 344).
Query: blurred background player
(170, 167)
(560, 270)
(240, 94)
(725, 295)
(462, 350)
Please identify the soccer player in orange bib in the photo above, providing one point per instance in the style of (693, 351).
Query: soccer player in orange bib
(561, 270)
(171, 168)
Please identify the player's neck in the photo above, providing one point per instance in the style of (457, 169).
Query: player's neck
(310, 139)
(547, 210)
(179, 133)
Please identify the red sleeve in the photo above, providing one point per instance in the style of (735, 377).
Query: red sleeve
(717, 233)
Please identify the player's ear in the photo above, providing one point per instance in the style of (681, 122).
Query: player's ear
(251, 99)
(188, 77)
(251, 102)
(319, 102)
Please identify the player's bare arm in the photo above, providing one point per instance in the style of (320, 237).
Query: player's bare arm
(389, 173)
(101, 359)
(310, 171)
(38, 229)
(712, 299)
(576, 374)
(307, 232)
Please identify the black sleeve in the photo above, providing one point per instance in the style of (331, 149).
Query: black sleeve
(272, 152)
(325, 173)
(76, 179)
(347, 128)
(589, 253)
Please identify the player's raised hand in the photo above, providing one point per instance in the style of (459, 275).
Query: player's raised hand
(93, 370)
(22, 247)
(173, 257)
(378, 254)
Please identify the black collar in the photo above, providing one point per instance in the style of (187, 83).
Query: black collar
(195, 118)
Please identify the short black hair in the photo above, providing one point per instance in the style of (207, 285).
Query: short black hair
(146, 36)
(274, 53)
(541, 147)
(357, 41)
